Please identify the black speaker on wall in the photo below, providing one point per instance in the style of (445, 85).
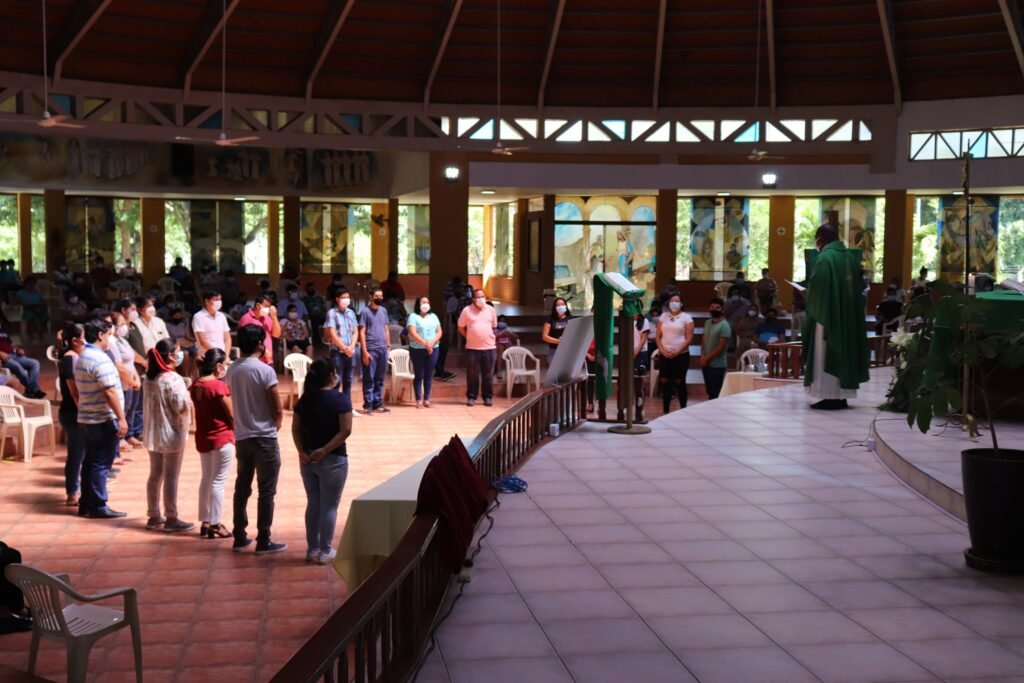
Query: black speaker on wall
(183, 163)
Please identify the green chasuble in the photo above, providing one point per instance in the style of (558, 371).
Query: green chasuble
(835, 299)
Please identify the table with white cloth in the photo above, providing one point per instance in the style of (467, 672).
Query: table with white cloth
(376, 522)
(738, 382)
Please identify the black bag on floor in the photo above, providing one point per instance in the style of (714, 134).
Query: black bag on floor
(11, 597)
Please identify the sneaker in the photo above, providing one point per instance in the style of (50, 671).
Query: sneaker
(326, 558)
(426, 404)
(241, 544)
(155, 523)
(419, 404)
(268, 548)
(448, 376)
(488, 402)
(313, 556)
(368, 412)
(471, 402)
(383, 409)
(177, 525)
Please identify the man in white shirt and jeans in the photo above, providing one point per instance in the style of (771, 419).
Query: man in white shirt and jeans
(211, 326)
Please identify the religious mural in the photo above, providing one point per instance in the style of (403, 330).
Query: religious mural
(417, 238)
(984, 228)
(89, 231)
(855, 218)
(719, 237)
(323, 237)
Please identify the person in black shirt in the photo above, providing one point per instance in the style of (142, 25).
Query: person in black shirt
(321, 424)
(555, 325)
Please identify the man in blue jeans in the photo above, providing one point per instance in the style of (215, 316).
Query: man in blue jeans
(341, 332)
(376, 344)
(25, 369)
(101, 418)
(257, 413)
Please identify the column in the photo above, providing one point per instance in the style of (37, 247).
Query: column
(273, 243)
(665, 238)
(488, 246)
(55, 216)
(781, 225)
(380, 240)
(151, 219)
(393, 228)
(24, 233)
(292, 210)
(899, 236)
(449, 220)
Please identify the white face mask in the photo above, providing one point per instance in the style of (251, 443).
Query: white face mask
(561, 309)
(217, 303)
(292, 315)
(265, 310)
(73, 300)
(424, 308)
(343, 303)
(150, 311)
(133, 316)
(751, 313)
(675, 306)
(479, 302)
(122, 330)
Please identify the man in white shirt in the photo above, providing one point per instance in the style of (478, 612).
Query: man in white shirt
(211, 326)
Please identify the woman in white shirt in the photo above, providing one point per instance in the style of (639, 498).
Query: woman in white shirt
(674, 336)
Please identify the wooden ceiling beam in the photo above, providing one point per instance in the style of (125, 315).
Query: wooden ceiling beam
(78, 22)
(659, 50)
(889, 38)
(206, 32)
(325, 40)
(442, 44)
(772, 82)
(553, 31)
(1011, 15)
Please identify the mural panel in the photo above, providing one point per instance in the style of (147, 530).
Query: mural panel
(855, 218)
(952, 238)
(719, 237)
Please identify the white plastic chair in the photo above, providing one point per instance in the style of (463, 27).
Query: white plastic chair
(168, 285)
(395, 335)
(401, 372)
(655, 357)
(13, 314)
(298, 365)
(12, 415)
(57, 618)
(750, 359)
(722, 290)
(516, 368)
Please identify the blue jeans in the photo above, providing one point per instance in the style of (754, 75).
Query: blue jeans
(373, 378)
(100, 449)
(260, 456)
(25, 369)
(133, 412)
(343, 366)
(423, 372)
(76, 453)
(324, 482)
(480, 373)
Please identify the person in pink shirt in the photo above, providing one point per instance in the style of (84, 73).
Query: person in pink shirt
(264, 314)
(477, 324)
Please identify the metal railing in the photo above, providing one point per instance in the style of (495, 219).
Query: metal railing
(380, 631)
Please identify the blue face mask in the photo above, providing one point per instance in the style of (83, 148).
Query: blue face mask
(179, 357)
(502, 326)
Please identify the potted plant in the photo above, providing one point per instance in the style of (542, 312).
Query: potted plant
(960, 344)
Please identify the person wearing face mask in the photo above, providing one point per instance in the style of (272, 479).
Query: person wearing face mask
(100, 418)
(341, 333)
(477, 323)
(264, 314)
(741, 288)
(145, 330)
(210, 326)
(771, 331)
(766, 288)
(292, 299)
(745, 330)
(181, 332)
(316, 306)
(165, 434)
(215, 440)
(424, 340)
(554, 326)
(713, 349)
(70, 341)
(75, 310)
(375, 340)
(131, 383)
(835, 348)
(295, 332)
(674, 334)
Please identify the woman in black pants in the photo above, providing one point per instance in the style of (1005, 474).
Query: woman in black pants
(674, 336)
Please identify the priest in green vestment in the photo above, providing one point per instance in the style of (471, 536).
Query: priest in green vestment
(835, 343)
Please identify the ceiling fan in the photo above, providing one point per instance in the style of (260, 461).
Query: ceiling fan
(223, 140)
(759, 154)
(500, 148)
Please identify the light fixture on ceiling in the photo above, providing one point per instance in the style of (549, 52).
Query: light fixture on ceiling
(452, 173)
(724, 194)
(486, 191)
(239, 199)
(958, 193)
(769, 181)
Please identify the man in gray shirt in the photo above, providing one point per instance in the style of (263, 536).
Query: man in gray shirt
(257, 413)
(375, 339)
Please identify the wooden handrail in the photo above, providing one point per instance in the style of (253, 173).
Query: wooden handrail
(379, 632)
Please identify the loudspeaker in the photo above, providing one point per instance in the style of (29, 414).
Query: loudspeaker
(183, 163)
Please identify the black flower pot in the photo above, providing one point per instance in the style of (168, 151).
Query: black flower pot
(994, 500)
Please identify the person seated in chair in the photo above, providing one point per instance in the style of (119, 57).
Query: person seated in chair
(771, 331)
(745, 330)
(35, 312)
(23, 368)
(295, 331)
(890, 308)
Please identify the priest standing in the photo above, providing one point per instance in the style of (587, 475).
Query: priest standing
(835, 346)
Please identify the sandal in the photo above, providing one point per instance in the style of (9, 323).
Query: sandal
(218, 531)
(203, 529)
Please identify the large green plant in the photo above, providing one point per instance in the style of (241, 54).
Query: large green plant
(956, 331)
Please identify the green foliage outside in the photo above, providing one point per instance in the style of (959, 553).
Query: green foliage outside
(759, 231)
(683, 208)
(8, 227)
(1010, 261)
(475, 237)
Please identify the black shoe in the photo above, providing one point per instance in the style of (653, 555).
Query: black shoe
(488, 402)
(830, 404)
(382, 409)
(268, 548)
(37, 393)
(470, 401)
(241, 544)
(104, 513)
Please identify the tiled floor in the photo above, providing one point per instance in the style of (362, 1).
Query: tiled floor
(747, 539)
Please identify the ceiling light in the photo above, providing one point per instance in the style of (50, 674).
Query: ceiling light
(486, 191)
(723, 194)
(769, 181)
(239, 199)
(452, 173)
(958, 193)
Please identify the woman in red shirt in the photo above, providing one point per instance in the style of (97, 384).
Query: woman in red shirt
(215, 440)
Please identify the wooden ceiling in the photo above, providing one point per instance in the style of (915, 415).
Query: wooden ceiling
(635, 53)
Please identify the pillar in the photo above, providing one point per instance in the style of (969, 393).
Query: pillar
(152, 220)
(292, 210)
(381, 235)
(393, 228)
(55, 217)
(781, 226)
(899, 236)
(24, 233)
(665, 238)
(488, 247)
(449, 221)
(274, 243)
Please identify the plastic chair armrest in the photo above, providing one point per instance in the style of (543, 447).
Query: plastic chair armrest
(126, 592)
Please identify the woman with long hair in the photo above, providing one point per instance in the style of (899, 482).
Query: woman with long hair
(554, 326)
(215, 440)
(165, 420)
(424, 338)
(70, 342)
(321, 423)
(674, 335)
